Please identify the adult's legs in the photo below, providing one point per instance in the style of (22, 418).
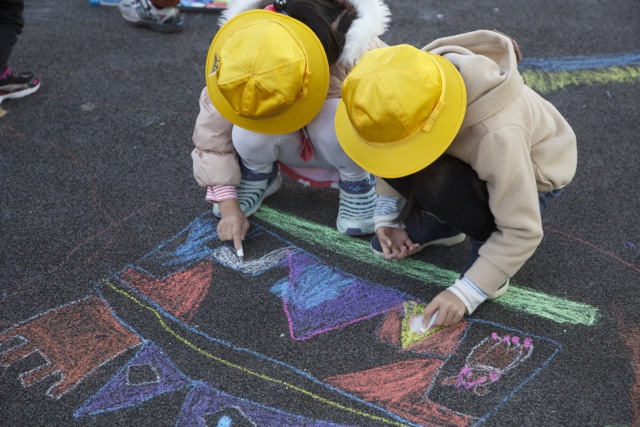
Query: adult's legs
(13, 84)
(11, 23)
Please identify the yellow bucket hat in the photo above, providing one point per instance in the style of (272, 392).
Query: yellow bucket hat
(401, 108)
(267, 72)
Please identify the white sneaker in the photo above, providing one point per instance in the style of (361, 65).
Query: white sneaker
(254, 187)
(357, 205)
(144, 13)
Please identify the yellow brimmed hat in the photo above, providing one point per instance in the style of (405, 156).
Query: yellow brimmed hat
(401, 108)
(267, 72)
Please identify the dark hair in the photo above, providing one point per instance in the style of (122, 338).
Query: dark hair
(320, 15)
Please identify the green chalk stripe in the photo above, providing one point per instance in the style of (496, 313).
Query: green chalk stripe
(545, 82)
(518, 298)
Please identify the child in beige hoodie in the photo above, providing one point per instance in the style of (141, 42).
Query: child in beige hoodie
(464, 148)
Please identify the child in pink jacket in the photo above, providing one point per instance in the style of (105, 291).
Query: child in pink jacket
(279, 115)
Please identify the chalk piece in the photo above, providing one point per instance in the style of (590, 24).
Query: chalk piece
(415, 324)
(432, 320)
(240, 252)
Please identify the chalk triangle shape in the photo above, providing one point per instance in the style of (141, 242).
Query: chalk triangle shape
(440, 343)
(408, 336)
(318, 298)
(401, 388)
(180, 294)
(148, 374)
(208, 406)
(190, 245)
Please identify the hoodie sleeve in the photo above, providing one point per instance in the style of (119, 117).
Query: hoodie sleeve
(215, 161)
(502, 160)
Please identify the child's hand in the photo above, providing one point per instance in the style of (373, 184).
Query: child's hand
(450, 309)
(233, 225)
(395, 243)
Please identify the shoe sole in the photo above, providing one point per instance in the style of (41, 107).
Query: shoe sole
(21, 94)
(356, 232)
(156, 27)
(446, 241)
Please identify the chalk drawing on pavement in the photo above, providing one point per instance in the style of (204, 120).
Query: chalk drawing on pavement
(519, 298)
(174, 285)
(489, 361)
(180, 294)
(74, 340)
(548, 74)
(318, 298)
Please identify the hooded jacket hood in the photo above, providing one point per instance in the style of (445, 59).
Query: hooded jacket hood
(488, 64)
(372, 21)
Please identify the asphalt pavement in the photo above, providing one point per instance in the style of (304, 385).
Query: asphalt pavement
(119, 306)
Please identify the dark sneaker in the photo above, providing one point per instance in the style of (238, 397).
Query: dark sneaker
(16, 85)
(426, 230)
(357, 205)
(143, 13)
(254, 187)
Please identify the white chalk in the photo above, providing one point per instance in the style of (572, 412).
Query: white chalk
(240, 252)
(432, 320)
(415, 324)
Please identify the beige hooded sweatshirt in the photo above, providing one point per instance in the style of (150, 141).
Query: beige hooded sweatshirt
(517, 142)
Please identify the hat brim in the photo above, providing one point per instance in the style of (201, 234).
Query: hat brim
(304, 110)
(418, 150)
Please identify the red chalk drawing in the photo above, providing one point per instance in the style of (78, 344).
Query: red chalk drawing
(180, 294)
(631, 338)
(401, 388)
(488, 361)
(74, 340)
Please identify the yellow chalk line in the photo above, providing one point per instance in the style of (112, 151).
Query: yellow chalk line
(249, 371)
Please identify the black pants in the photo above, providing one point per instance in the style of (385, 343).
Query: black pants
(11, 23)
(452, 191)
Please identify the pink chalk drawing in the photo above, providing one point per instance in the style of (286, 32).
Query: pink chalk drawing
(489, 361)
(74, 340)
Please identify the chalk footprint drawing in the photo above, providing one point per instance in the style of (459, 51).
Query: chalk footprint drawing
(189, 299)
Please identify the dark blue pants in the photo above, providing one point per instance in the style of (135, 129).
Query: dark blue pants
(452, 191)
(11, 23)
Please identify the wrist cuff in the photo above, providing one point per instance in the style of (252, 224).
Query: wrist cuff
(387, 210)
(471, 295)
(217, 193)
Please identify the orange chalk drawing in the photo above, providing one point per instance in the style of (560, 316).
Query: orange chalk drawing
(180, 294)
(74, 340)
(401, 388)
(631, 338)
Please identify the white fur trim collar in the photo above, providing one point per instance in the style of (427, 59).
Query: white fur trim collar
(372, 21)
